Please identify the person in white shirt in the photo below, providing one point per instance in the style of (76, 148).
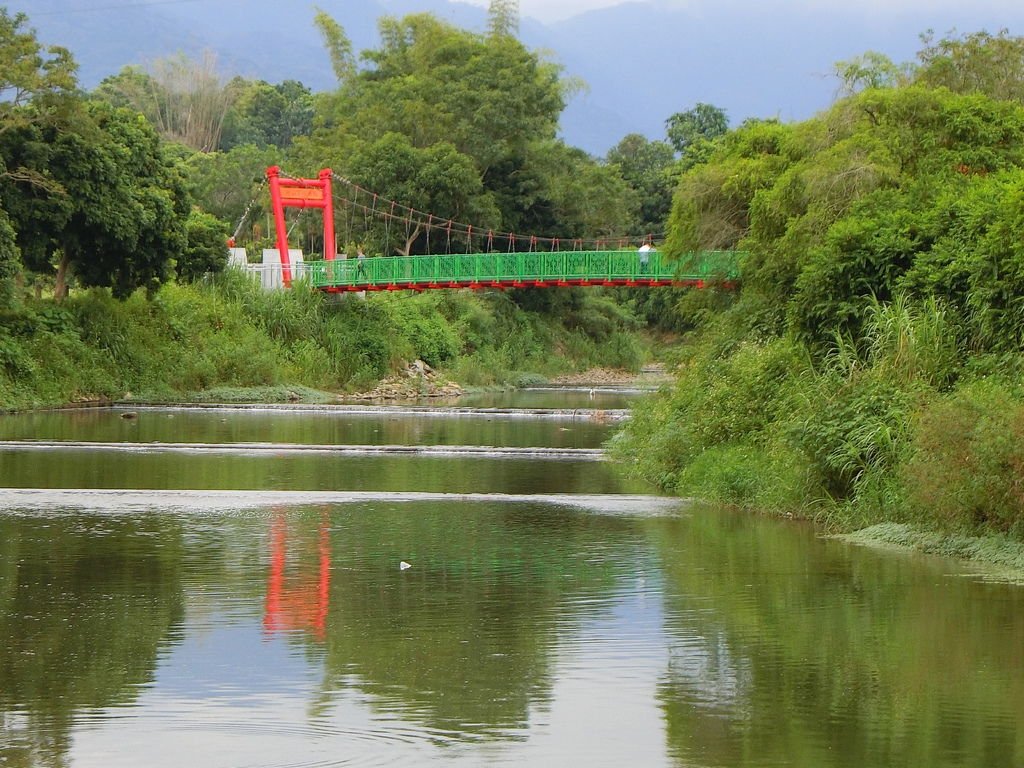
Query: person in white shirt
(645, 255)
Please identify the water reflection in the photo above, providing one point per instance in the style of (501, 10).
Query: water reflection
(85, 608)
(298, 598)
(267, 470)
(293, 635)
(791, 650)
(461, 642)
(314, 428)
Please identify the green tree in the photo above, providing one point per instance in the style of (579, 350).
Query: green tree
(974, 63)
(267, 115)
(29, 73)
(35, 85)
(131, 87)
(206, 251)
(554, 190)
(226, 183)
(339, 47)
(705, 122)
(712, 205)
(117, 215)
(869, 70)
(884, 267)
(437, 180)
(485, 97)
(185, 99)
(10, 261)
(645, 165)
(588, 200)
(503, 17)
(432, 82)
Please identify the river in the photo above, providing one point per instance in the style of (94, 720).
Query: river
(303, 586)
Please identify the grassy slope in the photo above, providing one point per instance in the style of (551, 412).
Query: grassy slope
(234, 339)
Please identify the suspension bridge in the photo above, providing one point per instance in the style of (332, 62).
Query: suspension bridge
(519, 270)
(474, 257)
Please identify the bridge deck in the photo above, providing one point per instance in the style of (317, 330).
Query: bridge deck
(519, 270)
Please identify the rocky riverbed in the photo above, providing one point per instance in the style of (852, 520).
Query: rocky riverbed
(416, 381)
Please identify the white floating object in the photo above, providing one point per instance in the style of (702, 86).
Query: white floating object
(404, 565)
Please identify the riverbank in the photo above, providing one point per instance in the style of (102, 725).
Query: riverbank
(231, 341)
(649, 376)
(865, 452)
(1003, 555)
(232, 344)
(868, 369)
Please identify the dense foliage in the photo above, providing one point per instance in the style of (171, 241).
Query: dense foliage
(230, 333)
(88, 194)
(139, 184)
(462, 126)
(113, 206)
(869, 368)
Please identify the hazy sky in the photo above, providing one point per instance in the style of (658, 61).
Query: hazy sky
(555, 10)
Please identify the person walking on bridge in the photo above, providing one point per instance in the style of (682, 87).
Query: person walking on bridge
(644, 252)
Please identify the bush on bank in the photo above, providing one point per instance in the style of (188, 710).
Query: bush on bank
(899, 430)
(230, 334)
(869, 369)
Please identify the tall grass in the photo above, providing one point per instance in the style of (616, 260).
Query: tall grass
(892, 426)
(966, 468)
(231, 334)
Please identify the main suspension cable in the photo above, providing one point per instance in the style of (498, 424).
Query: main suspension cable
(417, 221)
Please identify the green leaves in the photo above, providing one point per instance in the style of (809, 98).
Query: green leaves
(968, 455)
(974, 63)
(224, 183)
(206, 249)
(485, 106)
(267, 115)
(35, 84)
(115, 211)
(29, 72)
(869, 70)
(437, 180)
(503, 17)
(339, 47)
(433, 82)
(705, 122)
(886, 242)
(645, 166)
(10, 261)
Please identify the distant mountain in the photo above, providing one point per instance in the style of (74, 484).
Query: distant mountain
(255, 38)
(642, 61)
(645, 62)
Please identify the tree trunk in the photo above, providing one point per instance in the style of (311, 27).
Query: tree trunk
(409, 241)
(60, 288)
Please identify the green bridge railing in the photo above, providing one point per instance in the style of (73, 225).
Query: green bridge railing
(522, 269)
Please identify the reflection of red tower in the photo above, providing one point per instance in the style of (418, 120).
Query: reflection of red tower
(301, 604)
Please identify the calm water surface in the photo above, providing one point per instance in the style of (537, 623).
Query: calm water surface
(553, 397)
(277, 627)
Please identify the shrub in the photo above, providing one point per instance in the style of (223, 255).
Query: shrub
(848, 428)
(967, 466)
